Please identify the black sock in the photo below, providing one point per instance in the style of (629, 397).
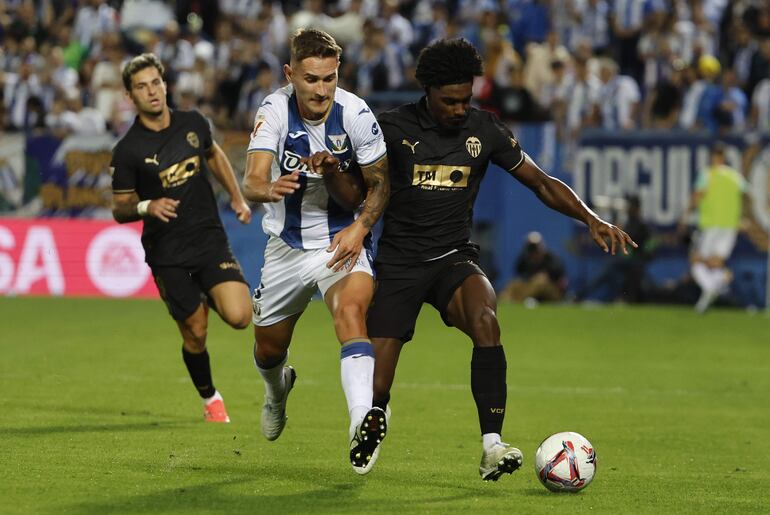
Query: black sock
(200, 372)
(382, 402)
(488, 369)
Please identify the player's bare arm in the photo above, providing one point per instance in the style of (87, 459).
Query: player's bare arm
(349, 241)
(257, 186)
(126, 208)
(223, 171)
(557, 195)
(378, 192)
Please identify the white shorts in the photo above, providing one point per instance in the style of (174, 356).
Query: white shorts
(290, 278)
(715, 242)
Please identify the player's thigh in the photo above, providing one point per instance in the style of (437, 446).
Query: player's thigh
(397, 300)
(180, 292)
(353, 291)
(458, 283)
(284, 288)
(232, 302)
(473, 310)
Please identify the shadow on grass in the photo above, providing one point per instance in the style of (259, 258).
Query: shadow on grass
(308, 489)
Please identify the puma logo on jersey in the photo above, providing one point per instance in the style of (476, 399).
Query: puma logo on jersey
(405, 142)
(152, 160)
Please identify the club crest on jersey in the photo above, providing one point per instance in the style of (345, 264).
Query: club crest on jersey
(193, 140)
(473, 145)
(339, 143)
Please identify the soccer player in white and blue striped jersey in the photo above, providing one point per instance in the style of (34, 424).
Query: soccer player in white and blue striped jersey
(301, 132)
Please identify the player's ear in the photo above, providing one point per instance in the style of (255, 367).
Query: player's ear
(287, 72)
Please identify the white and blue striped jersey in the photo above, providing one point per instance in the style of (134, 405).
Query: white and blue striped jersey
(309, 218)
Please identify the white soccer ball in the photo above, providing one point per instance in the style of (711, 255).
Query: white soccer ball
(565, 462)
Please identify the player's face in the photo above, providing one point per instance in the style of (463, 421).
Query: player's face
(449, 105)
(148, 91)
(314, 80)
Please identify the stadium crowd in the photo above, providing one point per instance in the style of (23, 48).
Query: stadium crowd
(613, 64)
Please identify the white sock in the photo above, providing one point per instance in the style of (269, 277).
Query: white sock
(215, 397)
(273, 378)
(357, 373)
(700, 273)
(490, 439)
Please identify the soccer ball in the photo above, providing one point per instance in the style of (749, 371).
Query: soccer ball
(565, 462)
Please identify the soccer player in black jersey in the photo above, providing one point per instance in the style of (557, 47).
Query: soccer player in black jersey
(439, 149)
(159, 176)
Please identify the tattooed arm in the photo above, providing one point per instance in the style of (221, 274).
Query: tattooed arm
(349, 241)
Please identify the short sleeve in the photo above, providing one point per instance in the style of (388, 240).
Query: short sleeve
(506, 151)
(123, 172)
(205, 129)
(366, 135)
(266, 134)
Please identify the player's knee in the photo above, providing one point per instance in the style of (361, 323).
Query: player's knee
(348, 314)
(484, 325)
(238, 318)
(195, 342)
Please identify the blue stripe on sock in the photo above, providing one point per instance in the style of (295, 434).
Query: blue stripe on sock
(356, 349)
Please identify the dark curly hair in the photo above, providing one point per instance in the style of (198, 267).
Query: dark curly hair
(448, 61)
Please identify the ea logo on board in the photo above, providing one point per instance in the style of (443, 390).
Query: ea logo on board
(115, 262)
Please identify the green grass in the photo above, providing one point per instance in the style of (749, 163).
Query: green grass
(99, 416)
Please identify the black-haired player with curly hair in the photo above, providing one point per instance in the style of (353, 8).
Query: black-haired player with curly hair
(439, 150)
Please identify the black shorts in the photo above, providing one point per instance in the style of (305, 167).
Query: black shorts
(183, 288)
(402, 289)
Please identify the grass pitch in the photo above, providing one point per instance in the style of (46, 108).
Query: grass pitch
(99, 416)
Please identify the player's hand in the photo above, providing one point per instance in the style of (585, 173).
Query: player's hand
(164, 209)
(282, 186)
(322, 162)
(601, 231)
(347, 245)
(242, 211)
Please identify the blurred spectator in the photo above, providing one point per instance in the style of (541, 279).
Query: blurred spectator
(732, 104)
(311, 15)
(620, 97)
(94, 18)
(760, 107)
(174, 50)
(582, 99)
(538, 72)
(398, 29)
(106, 81)
(740, 51)
(658, 48)
(514, 103)
(19, 88)
(590, 24)
(626, 19)
(376, 64)
(539, 274)
(718, 198)
(701, 100)
(347, 28)
(664, 103)
(253, 93)
(77, 119)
